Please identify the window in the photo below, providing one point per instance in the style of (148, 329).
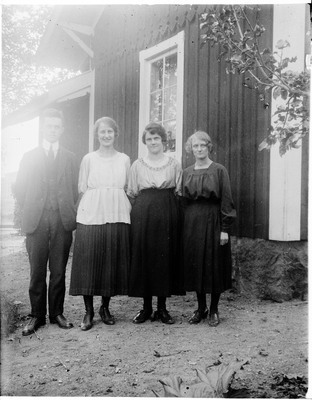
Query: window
(161, 91)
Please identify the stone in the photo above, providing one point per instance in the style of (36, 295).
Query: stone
(270, 270)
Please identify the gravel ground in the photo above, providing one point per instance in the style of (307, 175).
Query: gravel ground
(128, 360)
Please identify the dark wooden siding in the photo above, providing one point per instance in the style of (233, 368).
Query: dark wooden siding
(76, 113)
(213, 100)
(76, 122)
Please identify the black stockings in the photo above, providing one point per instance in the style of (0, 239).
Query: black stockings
(88, 300)
(201, 298)
(202, 305)
(161, 303)
(215, 297)
(105, 301)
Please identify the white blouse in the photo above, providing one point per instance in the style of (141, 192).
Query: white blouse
(103, 182)
(144, 176)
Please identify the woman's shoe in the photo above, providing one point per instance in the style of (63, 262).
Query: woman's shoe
(106, 316)
(164, 316)
(87, 321)
(142, 316)
(198, 316)
(214, 319)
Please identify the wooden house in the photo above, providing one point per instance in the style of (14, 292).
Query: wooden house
(145, 62)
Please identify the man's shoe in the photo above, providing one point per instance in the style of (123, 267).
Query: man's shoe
(61, 321)
(106, 316)
(214, 319)
(33, 325)
(164, 316)
(142, 316)
(198, 316)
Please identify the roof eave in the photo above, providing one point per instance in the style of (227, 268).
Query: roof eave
(63, 48)
(67, 90)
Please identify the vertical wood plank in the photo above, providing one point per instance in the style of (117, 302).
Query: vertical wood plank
(213, 101)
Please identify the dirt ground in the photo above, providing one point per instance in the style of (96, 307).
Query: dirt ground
(128, 360)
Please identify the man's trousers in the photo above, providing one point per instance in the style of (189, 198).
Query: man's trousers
(49, 246)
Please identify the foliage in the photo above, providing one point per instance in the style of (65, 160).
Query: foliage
(212, 383)
(238, 31)
(22, 29)
(290, 386)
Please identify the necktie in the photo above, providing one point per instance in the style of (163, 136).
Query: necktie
(51, 154)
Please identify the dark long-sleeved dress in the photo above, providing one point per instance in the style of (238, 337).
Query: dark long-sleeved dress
(209, 211)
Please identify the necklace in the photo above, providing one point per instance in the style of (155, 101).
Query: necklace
(157, 161)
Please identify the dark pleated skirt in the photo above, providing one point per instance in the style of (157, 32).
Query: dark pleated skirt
(101, 258)
(207, 265)
(156, 268)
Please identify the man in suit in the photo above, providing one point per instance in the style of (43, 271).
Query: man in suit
(46, 189)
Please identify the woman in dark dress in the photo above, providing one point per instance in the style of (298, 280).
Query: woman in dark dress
(154, 182)
(208, 215)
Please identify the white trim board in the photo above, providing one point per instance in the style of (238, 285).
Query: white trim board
(285, 171)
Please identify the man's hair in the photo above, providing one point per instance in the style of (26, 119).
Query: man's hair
(51, 113)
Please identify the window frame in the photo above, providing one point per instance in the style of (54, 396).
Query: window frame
(147, 57)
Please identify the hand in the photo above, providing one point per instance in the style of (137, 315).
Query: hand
(78, 201)
(224, 238)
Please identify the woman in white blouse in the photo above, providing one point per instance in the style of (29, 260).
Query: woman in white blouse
(154, 182)
(101, 252)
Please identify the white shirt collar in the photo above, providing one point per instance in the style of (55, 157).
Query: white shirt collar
(46, 146)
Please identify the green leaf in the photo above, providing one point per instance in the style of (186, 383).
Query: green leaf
(227, 375)
(201, 390)
(213, 377)
(296, 103)
(202, 375)
(281, 44)
(284, 94)
(266, 51)
(172, 386)
(276, 92)
(263, 145)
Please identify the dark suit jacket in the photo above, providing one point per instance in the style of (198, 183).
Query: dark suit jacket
(31, 188)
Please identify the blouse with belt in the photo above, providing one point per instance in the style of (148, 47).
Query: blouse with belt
(144, 176)
(103, 182)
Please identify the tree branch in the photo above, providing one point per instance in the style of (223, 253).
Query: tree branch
(255, 38)
(266, 71)
(237, 23)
